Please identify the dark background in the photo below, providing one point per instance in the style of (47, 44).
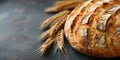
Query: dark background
(19, 28)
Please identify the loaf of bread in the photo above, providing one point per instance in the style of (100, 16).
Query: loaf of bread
(93, 28)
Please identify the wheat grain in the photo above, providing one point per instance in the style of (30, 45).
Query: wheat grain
(52, 18)
(46, 44)
(63, 5)
(56, 27)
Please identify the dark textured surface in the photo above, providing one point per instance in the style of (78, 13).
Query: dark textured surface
(19, 28)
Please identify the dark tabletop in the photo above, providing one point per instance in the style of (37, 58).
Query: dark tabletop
(19, 28)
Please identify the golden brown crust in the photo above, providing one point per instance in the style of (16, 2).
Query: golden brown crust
(95, 30)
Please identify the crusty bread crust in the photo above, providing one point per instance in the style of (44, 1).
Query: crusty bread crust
(93, 28)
